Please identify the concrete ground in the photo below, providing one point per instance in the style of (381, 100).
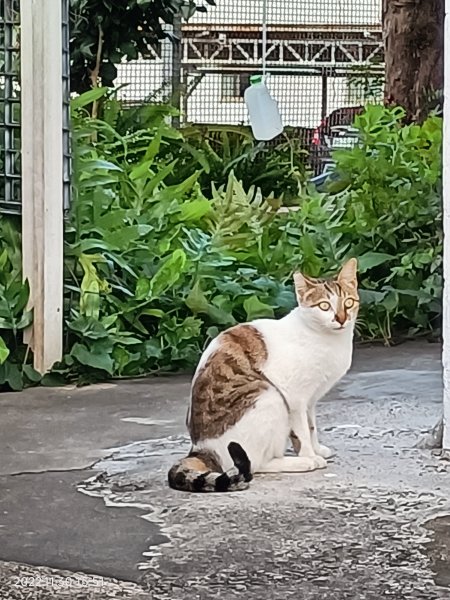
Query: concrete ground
(85, 511)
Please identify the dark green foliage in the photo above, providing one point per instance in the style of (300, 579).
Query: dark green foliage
(157, 262)
(278, 168)
(128, 29)
(392, 198)
(15, 373)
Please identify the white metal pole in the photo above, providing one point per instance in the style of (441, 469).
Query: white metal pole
(446, 225)
(264, 38)
(42, 174)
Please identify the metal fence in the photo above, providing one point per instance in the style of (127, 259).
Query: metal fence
(10, 94)
(9, 106)
(322, 55)
(325, 59)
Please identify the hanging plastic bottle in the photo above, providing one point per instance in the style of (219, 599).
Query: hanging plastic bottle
(263, 112)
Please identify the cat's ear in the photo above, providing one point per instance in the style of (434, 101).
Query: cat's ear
(302, 284)
(348, 274)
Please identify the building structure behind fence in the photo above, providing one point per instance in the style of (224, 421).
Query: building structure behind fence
(322, 55)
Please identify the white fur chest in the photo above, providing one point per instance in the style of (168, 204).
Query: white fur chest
(304, 363)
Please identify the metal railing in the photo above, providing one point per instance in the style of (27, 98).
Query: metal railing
(10, 93)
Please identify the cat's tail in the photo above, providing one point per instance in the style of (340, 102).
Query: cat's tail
(200, 471)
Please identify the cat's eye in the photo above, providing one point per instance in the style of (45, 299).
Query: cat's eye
(324, 305)
(349, 303)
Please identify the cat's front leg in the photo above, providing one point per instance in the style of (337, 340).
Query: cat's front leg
(300, 427)
(319, 449)
(295, 442)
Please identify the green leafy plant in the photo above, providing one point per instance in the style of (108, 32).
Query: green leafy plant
(278, 169)
(157, 263)
(15, 370)
(390, 188)
(103, 33)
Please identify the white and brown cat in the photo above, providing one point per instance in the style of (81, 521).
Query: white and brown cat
(257, 385)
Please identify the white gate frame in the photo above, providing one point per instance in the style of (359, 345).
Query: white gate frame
(446, 225)
(42, 174)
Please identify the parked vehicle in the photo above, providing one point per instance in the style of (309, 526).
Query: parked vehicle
(335, 131)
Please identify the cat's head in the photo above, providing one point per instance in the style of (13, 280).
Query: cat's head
(330, 303)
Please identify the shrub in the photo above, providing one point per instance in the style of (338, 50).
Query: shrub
(157, 264)
(390, 188)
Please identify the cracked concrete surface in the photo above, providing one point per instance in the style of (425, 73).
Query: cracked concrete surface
(375, 524)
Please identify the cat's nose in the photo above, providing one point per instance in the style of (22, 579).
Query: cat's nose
(340, 317)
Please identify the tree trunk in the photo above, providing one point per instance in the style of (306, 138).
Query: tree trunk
(414, 47)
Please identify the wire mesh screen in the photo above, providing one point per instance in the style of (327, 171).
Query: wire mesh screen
(324, 59)
(9, 107)
(10, 92)
(322, 55)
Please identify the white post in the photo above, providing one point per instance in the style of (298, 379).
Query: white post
(446, 224)
(42, 174)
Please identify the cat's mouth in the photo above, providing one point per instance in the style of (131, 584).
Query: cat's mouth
(340, 327)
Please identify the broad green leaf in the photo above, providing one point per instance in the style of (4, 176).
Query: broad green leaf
(371, 296)
(3, 259)
(125, 340)
(154, 146)
(141, 170)
(159, 178)
(153, 312)
(255, 309)
(92, 244)
(168, 274)
(195, 210)
(25, 320)
(369, 260)
(220, 316)
(89, 328)
(13, 376)
(390, 302)
(190, 328)
(142, 288)
(31, 374)
(196, 300)
(200, 157)
(4, 351)
(21, 299)
(121, 239)
(53, 380)
(87, 98)
(104, 165)
(102, 361)
(153, 348)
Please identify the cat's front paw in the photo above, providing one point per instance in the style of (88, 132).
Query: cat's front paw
(319, 462)
(316, 461)
(324, 451)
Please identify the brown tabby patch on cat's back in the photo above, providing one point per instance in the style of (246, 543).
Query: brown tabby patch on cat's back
(229, 383)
